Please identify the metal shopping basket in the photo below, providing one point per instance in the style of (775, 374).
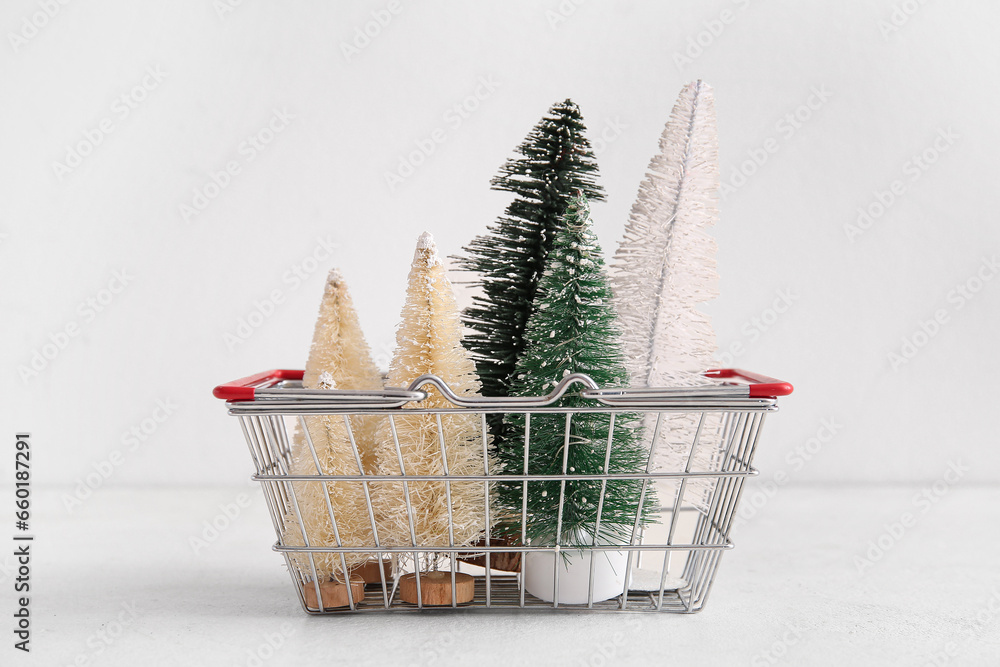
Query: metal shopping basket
(711, 431)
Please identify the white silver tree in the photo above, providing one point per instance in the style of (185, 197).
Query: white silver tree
(665, 268)
(665, 265)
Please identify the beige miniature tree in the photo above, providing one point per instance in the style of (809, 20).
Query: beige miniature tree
(338, 359)
(339, 349)
(429, 341)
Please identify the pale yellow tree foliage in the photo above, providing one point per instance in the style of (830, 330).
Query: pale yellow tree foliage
(338, 359)
(429, 341)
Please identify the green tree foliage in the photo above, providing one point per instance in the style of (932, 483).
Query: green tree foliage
(554, 161)
(573, 329)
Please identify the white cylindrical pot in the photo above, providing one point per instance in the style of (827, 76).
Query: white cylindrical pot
(574, 575)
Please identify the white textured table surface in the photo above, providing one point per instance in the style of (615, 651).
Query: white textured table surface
(118, 582)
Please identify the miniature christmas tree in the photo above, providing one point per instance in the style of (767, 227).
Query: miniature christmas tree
(339, 349)
(665, 267)
(555, 160)
(338, 359)
(428, 341)
(573, 329)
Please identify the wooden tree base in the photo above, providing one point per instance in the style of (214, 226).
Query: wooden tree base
(435, 588)
(369, 572)
(508, 561)
(334, 593)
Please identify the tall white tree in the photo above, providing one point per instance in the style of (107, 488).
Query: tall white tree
(665, 268)
(338, 359)
(665, 265)
(429, 341)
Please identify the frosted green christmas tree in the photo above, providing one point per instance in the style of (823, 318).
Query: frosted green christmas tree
(573, 329)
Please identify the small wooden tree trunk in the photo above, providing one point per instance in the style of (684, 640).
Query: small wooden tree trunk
(334, 593)
(508, 561)
(435, 588)
(370, 571)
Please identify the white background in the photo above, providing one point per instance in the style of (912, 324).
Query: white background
(893, 77)
(887, 94)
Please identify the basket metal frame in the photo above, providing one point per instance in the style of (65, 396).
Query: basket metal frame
(737, 418)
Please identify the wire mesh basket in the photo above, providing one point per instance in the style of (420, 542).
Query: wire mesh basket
(705, 437)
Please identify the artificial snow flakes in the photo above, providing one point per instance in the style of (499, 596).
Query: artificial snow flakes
(326, 380)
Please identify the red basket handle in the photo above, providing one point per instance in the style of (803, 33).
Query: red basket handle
(761, 386)
(243, 389)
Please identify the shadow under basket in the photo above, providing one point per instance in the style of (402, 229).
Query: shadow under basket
(709, 435)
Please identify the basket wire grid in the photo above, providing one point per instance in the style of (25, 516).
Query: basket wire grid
(677, 559)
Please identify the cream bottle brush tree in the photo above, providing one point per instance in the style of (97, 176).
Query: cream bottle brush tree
(339, 348)
(429, 341)
(338, 359)
(665, 267)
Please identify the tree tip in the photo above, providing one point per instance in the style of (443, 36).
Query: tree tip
(698, 86)
(426, 250)
(567, 104)
(426, 242)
